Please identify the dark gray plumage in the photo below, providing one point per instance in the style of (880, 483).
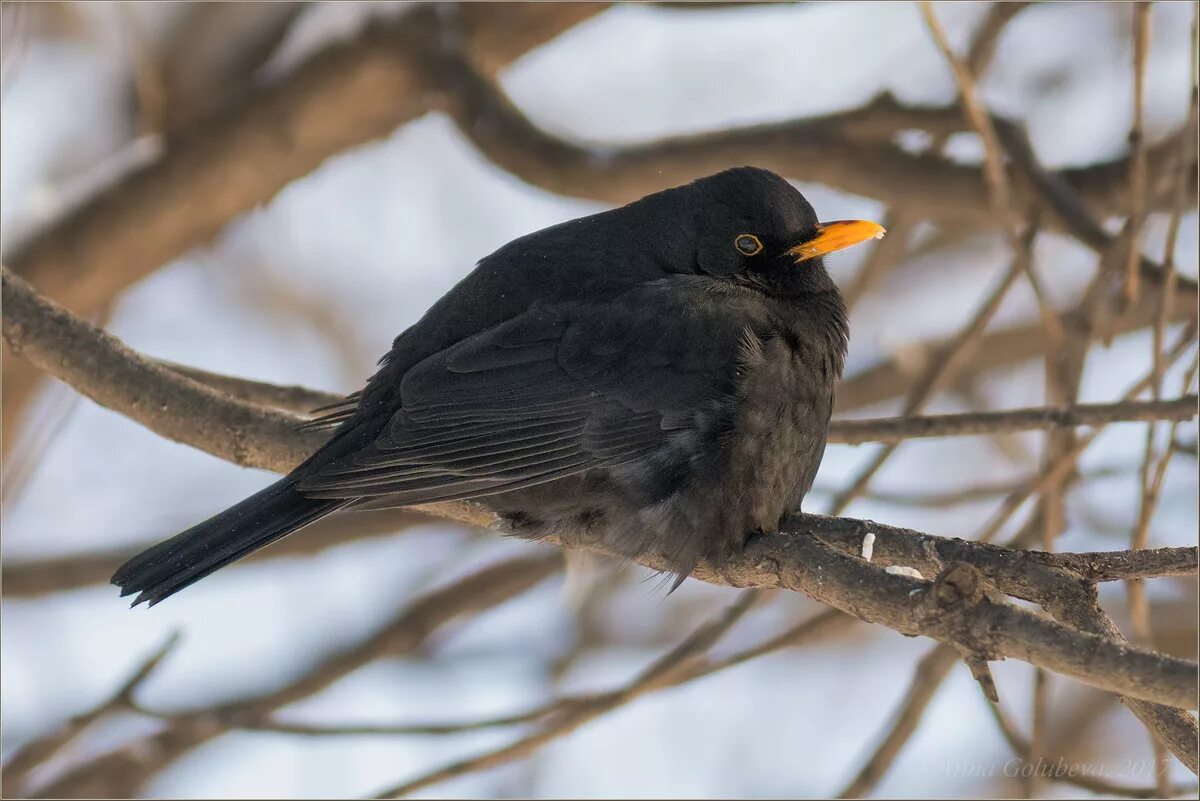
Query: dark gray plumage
(639, 376)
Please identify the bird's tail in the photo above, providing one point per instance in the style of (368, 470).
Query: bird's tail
(166, 568)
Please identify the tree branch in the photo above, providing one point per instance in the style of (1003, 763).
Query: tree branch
(349, 93)
(851, 151)
(1070, 600)
(289, 397)
(892, 429)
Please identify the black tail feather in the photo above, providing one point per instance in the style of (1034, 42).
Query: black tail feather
(166, 568)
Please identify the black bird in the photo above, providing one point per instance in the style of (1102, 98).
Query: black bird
(658, 377)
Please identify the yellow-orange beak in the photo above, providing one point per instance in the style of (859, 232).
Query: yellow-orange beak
(837, 235)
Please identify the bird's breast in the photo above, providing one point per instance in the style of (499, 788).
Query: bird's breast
(778, 434)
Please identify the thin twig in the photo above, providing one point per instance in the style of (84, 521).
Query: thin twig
(821, 624)
(899, 429)
(1154, 468)
(656, 676)
(931, 671)
(41, 751)
(1179, 196)
(1037, 735)
(994, 172)
(1137, 149)
(987, 37)
(1153, 477)
(940, 498)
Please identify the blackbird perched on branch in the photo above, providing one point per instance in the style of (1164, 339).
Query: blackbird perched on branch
(658, 377)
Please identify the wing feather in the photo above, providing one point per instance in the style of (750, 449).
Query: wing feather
(556, 391)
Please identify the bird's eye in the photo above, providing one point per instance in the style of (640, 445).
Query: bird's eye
(747, 244)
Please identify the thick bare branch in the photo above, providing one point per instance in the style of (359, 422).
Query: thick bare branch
(104, 369)
(1122, 565)
(1071, 601)
(793, 561)
(350, 93)
(210, 53)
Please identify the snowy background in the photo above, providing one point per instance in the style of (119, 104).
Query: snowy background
(369, 240)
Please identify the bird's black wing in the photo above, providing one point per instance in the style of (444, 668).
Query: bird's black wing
(555, 391)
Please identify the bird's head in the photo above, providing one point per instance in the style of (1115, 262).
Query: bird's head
(753, 227)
